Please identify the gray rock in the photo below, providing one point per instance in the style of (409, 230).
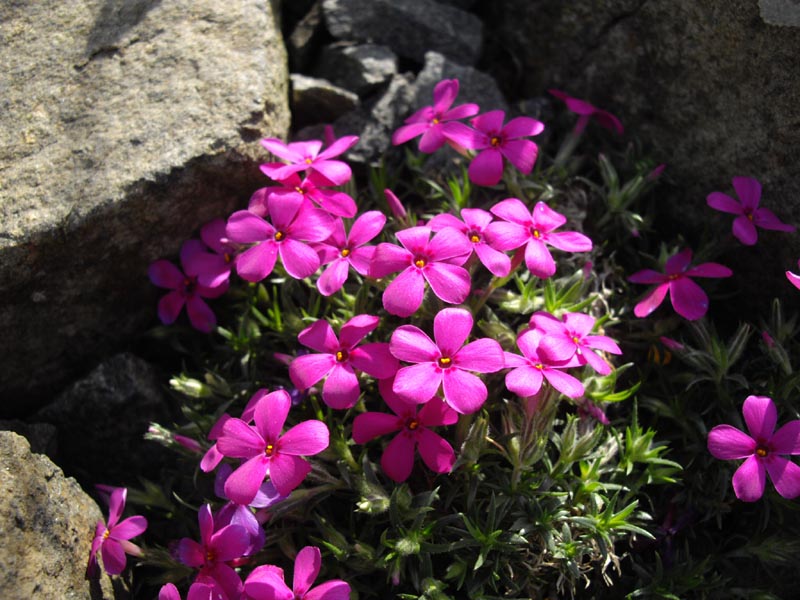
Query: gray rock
(710, 86)
(42, 437)
(303, 43)
(473, 85)
(46, 523)
(360, 69)
(124, 125)
(318, 100)
(410, 27)
(780, 12)
(102, 419)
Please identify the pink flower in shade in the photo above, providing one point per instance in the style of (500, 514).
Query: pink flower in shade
(267, 451)
(395, 206)
(217, 547)
(293, 226)
(585, 111)
(570, 337)
(793, 278)
(339, 359)
(474, 228)
(438, 124)
(529, 371)
(761, 450)
(749, 214)
(688, 299)
(341, 251)
(312, 188)
(446, 362)
(496, 142)
(112, 539)
(306, 156)
(535, 231)
(214, 268)
(413, 427)
(186, 290)
(437, 261)
(267, 581)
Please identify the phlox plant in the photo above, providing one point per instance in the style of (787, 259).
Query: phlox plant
(441, 385)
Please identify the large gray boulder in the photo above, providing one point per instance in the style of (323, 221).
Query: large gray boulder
(712, 86)
(47, 524)
(124, 125)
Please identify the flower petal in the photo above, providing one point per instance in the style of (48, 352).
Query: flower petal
(465, 393)
(239, 440)
(724, 203)
(748, 190)
(170, 306)
(709, 270)
(129, 528)
(451, 328)
(200, 314)
(484, 355)
(341, 389)
(524, 381)
(410, 344)
(545, 218)
(335, 589)
(257, 262)
(287, 472)
(306, 568)
(514, 211)
(375, 360)
(308, 369)
(356, 329)
(270, 415)
(570, 241)
(366, 227)
(538, 259)
(398, 457)
(300, 260)
(404, 295)
(370, 425)
(304, 439)
(417, 383)
(564, 383)
(522, 154)
(749, 480)
(785, 475)
(745, 231)
(164, 274)
(487, 167)
(449, 282)
(651, 301)
(495, 261)
(760, 415)
(113, 557)
(242, 485)
(436, 413)
(436, 453)
(688, 299)
(787, 439)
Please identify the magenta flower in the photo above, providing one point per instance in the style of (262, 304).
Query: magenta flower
(585, 111)
(214, 268)
(749, 214)
(312, 188)
(340, 358)
(570, 337)
(446, 362)
(474, 228)
(186, 290)
(267, 581)
(306, 156)
(217, 547)
(395, 206)
(529, 371)
(495, 142)
(438, 124)
(341, 251)
(793, 278)
(761, 450)
(267, 451)
(535, 231)
(112, 539)
(437, 261)
(688, 299)
(293, 226)
(197, 591)
(398, 457)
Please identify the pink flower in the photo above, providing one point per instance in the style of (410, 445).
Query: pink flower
(494, 142)
(112, 539)
(437, 261)
(474, 228)
(333, 202)
(529, 371)
(688, 299)
(446, 362)
(340, 358)
(534, 230)
(398, 457)
(186, 290)
(306, 156)
(197, 591)
(437, 124)
(340, 251)
(793, 278)
(267, 581)
(267, 451)
(293, 226)
(217, 547)
(761, 450)
(570, 336)
(584, 110)
(214, 268)
(749, 215)
(395, 206)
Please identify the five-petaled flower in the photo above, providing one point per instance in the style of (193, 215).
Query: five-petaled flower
(267, 581)
(445, 362)
(474, 228)
(413, 426)
(530, 370)
(112, 538)
(688, 299)
(339, 359)
(762, 450)
(267, 450)
(585, 111)
(306, 156)
(749, 214)
(495, 142)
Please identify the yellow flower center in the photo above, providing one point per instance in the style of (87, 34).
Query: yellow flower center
(299, 190)
(309, 161)
(536, 234)
(279, 236)
(420, 262)
(228, 257)
(495, 141)
(269, 450)
(445, 362)
(106, 533)
(345, 252)
(761, 451)
(474, 238)
(435, 121)
(412, 424)
(341, 355)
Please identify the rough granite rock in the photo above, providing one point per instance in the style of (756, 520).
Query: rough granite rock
(102, 418)
(473, 85)
(410, 27)
(711, 85)
(124, 125)
(304, 41)
(360, 68)
(318, 100)
(46, 523)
